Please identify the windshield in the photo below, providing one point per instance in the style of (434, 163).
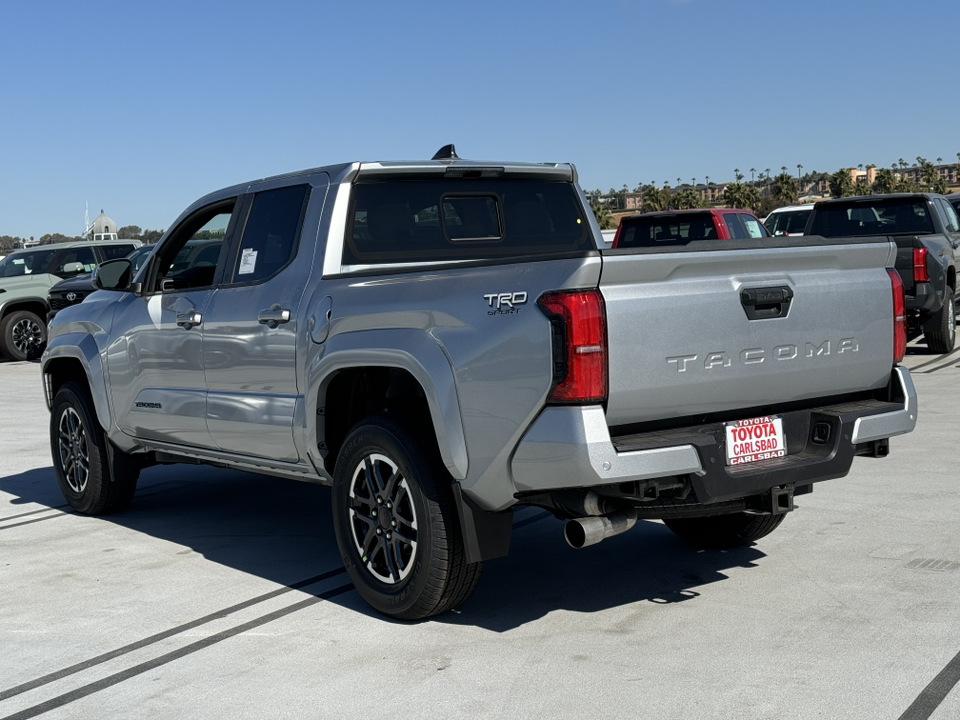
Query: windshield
(886, 216)
(791, 222)
(27, 263)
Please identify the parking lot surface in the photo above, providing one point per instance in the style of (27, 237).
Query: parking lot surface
(220, 594)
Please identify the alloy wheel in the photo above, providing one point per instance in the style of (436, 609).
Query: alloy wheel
(383, 519)
(27, 335)
(74, 454)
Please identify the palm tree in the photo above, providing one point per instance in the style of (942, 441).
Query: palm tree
(752, 171)
(799, 168)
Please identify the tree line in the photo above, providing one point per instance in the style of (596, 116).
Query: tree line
(764, 192)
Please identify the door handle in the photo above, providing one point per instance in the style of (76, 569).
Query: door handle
(274, 316)
(764, 303)
(189, 319)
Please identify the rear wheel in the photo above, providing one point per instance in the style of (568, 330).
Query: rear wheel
(23, 335)
(940, 330)
(80, 456)
(724, 531)
(396, 524)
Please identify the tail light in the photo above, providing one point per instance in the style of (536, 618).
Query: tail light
(899, 317)
(579, 322)
(616, 238)
(920, 273)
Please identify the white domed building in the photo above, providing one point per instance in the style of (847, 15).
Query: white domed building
(102, 228)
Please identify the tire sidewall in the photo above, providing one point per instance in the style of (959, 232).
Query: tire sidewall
(90, 500)
(381, 436)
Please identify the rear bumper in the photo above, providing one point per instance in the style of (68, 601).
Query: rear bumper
(571, 447)
(924, 298)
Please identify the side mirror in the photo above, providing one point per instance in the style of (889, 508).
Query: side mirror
(113, 275)
(73, 268)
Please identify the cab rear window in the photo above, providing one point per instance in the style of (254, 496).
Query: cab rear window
(410, 221)
(889, 216)
(662, 231)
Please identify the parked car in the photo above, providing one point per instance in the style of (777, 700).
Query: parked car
(442, 341)
(73, 290)
(679, 227)
(926, 230)
(26, 277)
(789, 220)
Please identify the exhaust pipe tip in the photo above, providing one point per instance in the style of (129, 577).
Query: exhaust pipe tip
(581, 532)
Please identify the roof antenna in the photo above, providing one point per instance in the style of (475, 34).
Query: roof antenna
(447, 152)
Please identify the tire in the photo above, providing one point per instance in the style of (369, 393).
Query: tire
(396, 524)
(940, 329)
(80, 456)
(23, 335)
(724, 531)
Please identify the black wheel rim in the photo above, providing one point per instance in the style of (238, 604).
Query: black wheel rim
(27, 335)
(74, 455)
(383, 519)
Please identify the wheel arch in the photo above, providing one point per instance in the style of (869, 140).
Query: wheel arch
(75, 357)
(37, 305)
(402, 368)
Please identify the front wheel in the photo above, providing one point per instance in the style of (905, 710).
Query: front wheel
(80, 460)
(940, 330)
(396, 524)
(724, 531)
(22, 335)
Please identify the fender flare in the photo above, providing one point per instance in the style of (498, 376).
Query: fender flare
(412, 350)
(83, 348)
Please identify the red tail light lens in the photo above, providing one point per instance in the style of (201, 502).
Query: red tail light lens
(579, 322)
(616, 238)
(899, 317)
(920, 273)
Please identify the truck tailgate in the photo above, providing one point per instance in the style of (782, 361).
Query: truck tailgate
(682, 341)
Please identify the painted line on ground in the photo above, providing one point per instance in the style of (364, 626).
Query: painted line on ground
(934, 693)
(217, 615)
(123, 675)
(153, 639)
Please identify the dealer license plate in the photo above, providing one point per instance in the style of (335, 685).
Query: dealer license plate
(755, 439)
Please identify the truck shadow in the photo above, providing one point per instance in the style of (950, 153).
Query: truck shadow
(280, 530)
(542, 574)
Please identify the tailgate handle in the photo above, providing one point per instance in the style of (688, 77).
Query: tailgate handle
(765, 303)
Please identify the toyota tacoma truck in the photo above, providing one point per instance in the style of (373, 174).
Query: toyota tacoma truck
(926, 230)
(443, 342)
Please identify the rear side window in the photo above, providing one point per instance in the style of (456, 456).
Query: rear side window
(112, 252)
(270, 236)
(407, 221)
(949, 215)
(665, 230)
(752, 226)
(734, 226)
(892, 216)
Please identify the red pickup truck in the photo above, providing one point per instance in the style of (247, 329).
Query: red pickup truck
(678, 227)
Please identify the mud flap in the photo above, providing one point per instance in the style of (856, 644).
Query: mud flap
(486, 535)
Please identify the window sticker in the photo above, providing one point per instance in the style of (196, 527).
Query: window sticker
(248, 261)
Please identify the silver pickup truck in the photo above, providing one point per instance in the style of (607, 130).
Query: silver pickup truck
(442, 342)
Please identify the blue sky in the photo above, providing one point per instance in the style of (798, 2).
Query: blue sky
(140, 108)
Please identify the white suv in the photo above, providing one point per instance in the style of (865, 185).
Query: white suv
(789, 220)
